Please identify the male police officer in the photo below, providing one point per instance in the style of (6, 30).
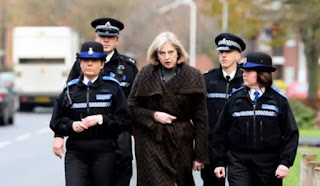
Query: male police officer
(123, 69)
(220, 82)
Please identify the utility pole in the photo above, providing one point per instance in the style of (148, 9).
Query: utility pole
(3, 36)
(193, 24)
(225, 15)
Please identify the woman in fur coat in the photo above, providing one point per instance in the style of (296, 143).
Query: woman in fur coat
(168, 105)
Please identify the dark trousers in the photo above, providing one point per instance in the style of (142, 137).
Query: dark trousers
(245, 169)
(123, 170)
(209, 178)
(89, 168)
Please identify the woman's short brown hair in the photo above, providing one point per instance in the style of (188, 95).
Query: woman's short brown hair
(159, 41)
(264, 79)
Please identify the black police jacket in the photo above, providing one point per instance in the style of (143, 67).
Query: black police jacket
(104, 97)
(267, 126)
(120, 67)
(218, 90)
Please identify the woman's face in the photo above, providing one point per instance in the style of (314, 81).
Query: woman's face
(250, 79)
(91, 67)
(168, 56)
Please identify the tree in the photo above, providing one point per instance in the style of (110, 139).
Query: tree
(303, 17)
(283, 17)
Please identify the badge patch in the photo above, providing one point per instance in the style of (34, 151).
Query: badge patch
(270, 107)
(103, 96)
(90, 51)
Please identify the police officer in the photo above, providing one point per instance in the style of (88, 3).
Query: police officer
(92, 110)
(256, 136)
(122, 68)
(219, 83)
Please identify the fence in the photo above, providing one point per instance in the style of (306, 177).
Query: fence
(310, 170)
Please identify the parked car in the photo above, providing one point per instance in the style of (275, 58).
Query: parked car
(299, 90)
(8, 98)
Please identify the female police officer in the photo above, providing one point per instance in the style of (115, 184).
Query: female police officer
(92, 111)
(256, 133)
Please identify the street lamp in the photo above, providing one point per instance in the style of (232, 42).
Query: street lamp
(193, 24)
(225, 15)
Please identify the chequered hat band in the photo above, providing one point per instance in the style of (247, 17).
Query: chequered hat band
(229, 43)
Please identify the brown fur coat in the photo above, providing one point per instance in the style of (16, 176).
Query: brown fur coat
(165, 153)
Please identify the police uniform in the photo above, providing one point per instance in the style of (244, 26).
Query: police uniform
(91, 154)
(122, 68)
(219, 86)
(253, 137)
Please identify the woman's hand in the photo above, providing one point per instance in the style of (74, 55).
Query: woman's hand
(197, 165)
(220, 172)
(282, 171)
(163, 117)
(78, 126)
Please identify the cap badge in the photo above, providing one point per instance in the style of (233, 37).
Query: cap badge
(108, 25)
(90, 51)
(243, 60)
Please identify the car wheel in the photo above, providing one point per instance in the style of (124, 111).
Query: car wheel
(3, 120)
(11, 119)
(26, 108)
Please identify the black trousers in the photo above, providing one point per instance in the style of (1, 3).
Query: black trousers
(251, 169)
(209, 178)
(123, 170)
(90, 165)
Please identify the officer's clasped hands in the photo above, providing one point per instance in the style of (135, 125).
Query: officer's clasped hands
(85, 123)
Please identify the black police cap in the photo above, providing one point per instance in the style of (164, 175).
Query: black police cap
(259, 61)
(91, 50)
(228, 42)
(107, 27)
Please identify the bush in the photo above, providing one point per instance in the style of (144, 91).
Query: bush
(305, 116)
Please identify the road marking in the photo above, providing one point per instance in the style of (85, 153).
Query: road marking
(4, 143)
(23, 137)
(43, 131)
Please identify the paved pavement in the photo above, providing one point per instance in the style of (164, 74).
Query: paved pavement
(311, 141)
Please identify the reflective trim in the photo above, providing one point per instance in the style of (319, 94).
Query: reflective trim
(103, 96)
(124, 84)
(72, 82)
(270, 107)
(217, 95)
(227, 42)
(91, 105)
(257, 113)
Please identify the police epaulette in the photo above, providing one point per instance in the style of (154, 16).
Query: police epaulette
(70, 83)
(234, 90)
(108, 78)
(128, 59)
(279, 92)
(208, 71)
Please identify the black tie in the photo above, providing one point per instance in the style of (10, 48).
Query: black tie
(228, 78)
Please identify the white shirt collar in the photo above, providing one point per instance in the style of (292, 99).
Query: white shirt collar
(232, 74)
(261, 92)
(109, 56)
(86, 80)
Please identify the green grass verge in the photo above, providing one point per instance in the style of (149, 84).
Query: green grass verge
(309, 132)
(293, 179)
